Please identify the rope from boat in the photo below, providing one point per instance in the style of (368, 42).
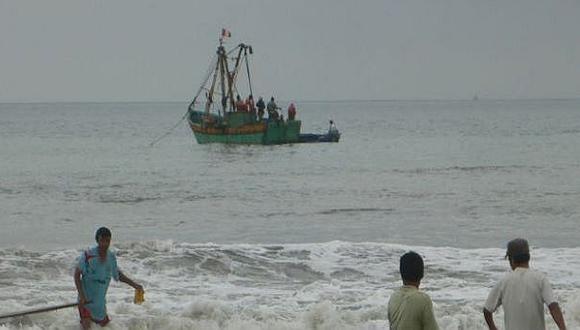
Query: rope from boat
(190, 107)
(210, 69)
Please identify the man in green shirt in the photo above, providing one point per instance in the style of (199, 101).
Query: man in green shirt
(409, 308)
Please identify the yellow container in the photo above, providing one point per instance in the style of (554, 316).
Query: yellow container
(139, 296)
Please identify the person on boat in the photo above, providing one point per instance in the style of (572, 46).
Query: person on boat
(92, 276)
(409, 308)
(261, 106)
(209, 102)
(272, 109)
(291, 111)
(522, 293)
(240, 104)
(250, 105)
(332, 130)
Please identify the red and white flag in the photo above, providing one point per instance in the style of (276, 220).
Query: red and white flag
(226, 34)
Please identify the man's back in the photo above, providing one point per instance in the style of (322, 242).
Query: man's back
(523, 294)
(411, 309)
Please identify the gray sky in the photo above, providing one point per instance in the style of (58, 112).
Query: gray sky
(141, 50)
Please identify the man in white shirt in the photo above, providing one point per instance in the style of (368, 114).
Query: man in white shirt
(522, 293)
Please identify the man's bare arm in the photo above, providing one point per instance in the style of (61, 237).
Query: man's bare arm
(77, 276)
(489, 319)
(129, 281)
(556, 313)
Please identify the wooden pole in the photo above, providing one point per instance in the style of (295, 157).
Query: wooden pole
(248, 70)
(40, 310)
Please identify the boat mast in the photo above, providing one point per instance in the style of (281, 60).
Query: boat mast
(221, 55)
(222, 65)
(212, 88)
(230, 76)
(248, 67)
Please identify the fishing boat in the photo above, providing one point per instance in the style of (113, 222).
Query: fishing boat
(233, 120)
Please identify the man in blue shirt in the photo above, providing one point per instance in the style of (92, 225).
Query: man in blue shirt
(92, 277)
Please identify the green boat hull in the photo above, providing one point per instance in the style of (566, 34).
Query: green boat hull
(242, 128)
(203, 138)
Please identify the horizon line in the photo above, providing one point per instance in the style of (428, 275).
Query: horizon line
(312, 100)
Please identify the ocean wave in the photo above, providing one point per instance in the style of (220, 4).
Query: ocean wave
(466, 169)
(332, 285)
(208, 314)
(356, 210)
(126, 198)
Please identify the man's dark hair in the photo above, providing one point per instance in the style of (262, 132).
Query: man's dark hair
(411, 267)
(518, 250)
(521, 258)
(102, 232)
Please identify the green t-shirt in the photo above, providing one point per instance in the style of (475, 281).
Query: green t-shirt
(411, 309)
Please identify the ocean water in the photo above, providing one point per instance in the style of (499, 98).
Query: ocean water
(303, 236)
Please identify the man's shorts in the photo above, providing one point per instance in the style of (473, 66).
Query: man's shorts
(85, 313)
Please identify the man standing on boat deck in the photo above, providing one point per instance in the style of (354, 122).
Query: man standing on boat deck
(251, 106)
(332, 130)
(409, 308)
(240, 104)
(92, 277)
(291, 111)
(522, 293)
(272, 109)
(261, 106)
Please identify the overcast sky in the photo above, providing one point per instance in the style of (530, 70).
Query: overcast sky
(141, 50)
